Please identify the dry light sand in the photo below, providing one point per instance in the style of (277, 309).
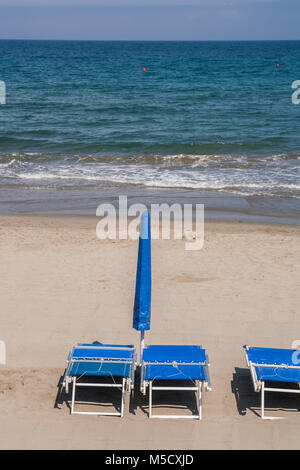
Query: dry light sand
(61, 285)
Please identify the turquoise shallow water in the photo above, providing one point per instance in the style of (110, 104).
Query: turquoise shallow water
(205, 116)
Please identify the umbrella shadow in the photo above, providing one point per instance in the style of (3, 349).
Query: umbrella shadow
(137, 399)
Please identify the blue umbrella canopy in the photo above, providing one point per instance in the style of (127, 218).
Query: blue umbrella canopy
(142, 302)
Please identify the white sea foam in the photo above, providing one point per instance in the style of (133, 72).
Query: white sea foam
(274, 174)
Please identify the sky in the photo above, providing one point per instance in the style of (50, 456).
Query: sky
(150, 19)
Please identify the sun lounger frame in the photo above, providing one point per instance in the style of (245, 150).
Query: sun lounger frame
(259, 385)
(127, 382)
(198, 386)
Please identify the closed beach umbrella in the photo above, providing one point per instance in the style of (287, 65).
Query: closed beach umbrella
(142, 302)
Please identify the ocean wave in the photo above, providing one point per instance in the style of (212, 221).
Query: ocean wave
(153, 179)
(259, 174)
(163, 159)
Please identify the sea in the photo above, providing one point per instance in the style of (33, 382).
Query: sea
(158, 121)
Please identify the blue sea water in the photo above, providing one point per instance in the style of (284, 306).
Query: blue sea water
(205, 116)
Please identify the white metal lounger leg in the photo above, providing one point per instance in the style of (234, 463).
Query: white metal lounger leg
(262, 400)
(200, 398)
(73, 395)
(150, 399)
(104, 413)
(123, 396)
(263, 404)
(195, 389)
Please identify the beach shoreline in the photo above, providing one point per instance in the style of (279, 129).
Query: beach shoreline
(218, 205)
(62, 285)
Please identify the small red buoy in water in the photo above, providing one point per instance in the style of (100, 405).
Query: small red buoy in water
(144, 69)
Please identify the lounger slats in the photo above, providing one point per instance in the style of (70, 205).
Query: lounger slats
(278, 374)
(100, 360)
(272, 356)
(174, 362)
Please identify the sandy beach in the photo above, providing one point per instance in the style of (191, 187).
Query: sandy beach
(61, 285)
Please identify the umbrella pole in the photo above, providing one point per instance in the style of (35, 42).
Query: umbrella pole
(142, 345)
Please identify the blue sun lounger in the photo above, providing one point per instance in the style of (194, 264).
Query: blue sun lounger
(175, 363)
(105, 360)
(273, 365)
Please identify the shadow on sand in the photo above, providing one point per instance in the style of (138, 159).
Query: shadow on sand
(247, 399)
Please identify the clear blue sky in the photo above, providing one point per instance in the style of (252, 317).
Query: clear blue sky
(150, 19)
